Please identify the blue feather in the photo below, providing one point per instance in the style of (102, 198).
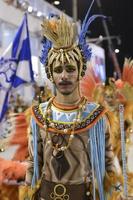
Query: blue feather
(46, 46)
(86, 50)
(86, 17)
(86, 26)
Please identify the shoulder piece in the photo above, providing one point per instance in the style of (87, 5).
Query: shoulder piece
(90, 116)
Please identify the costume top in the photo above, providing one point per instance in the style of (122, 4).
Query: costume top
(63, 116)
(77, 158)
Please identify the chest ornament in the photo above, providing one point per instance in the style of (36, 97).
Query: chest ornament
(77, 125)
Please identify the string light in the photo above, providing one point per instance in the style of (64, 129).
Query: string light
(117, 50)
(30, 9)
(56, 3)
(39, 14)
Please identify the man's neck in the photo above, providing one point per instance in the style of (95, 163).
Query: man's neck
(71, 99)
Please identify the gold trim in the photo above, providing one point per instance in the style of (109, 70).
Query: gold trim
(42, 124)
(61, 122)
(64, 48)
(55, 190)
(40, 109)
(66, 197)
(52, 195)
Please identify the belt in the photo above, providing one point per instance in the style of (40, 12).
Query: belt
(58, 191)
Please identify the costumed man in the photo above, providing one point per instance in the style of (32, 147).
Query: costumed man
(69, 140)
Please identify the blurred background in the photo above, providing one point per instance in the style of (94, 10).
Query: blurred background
(114, 35)
(111, 39)
(108, 80)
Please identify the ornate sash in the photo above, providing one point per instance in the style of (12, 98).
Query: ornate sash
(84, 125)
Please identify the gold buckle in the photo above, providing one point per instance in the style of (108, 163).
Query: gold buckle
(61, 194)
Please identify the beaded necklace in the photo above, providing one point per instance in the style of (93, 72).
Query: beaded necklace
(57, 139)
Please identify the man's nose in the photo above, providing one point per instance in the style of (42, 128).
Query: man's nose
(64, 75)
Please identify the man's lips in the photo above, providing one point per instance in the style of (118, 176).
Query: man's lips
(67, 83)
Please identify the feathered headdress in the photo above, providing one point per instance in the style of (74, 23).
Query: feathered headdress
(62, 43)
(125, 84)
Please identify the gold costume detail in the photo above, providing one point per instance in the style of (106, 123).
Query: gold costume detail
(63, 35)
(59, 195)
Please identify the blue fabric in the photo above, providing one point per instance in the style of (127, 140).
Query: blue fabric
(15, 66)
(35, 155)
(45, 49)
(4, 106)
(97, 137)
(63, 116)
(93, 170)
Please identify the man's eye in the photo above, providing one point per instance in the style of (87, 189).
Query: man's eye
(70, 69)
(58, 70)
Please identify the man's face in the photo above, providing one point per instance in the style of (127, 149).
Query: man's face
(65, 77)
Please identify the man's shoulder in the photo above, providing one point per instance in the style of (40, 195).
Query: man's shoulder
(41, 106)
(92, 106)
(92, 113)
(38, 108)
(37, 113)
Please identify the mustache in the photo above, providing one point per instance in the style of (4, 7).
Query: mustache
(65, 83)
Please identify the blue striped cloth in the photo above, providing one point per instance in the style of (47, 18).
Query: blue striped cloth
(97, 141)
(15, 66)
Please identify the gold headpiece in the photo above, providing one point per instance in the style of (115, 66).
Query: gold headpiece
(63, 44)
(63, 34)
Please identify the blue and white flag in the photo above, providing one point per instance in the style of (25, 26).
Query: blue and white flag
(15, 66)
